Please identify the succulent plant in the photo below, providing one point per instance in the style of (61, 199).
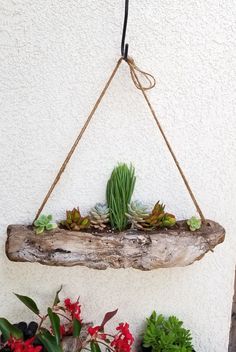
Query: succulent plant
(137, 212)
(119, 191)
(74, 221)
(153, 220)
(168, 220)
(99, 216)
(44, 223)
(194, 223)
(158, 218)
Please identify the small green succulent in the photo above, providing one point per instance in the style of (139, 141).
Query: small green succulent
(194, 223)
(166, 335)
(44, 223)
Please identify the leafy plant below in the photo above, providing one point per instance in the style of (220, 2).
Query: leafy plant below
(65, 320)
(166, 335)
(119, 191)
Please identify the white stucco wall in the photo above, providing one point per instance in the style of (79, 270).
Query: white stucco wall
(55, 56)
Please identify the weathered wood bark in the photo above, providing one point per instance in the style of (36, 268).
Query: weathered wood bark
(140, 250)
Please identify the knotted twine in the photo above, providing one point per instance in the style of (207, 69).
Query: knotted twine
(134, 72)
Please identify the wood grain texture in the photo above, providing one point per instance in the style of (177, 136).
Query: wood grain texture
(140, 250)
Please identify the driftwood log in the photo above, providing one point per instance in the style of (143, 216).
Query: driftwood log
(162, 248)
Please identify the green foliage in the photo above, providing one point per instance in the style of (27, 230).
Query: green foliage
(194, 223)
(74, 220)
(94, 347)
(49, 341)
(44, 223)
(119, 191)
(55, 324)
(57, 299)
(76, 327)
(8, 330)
(29, 303)
(166, 335)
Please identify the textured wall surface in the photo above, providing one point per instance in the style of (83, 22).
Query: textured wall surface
(55, 56)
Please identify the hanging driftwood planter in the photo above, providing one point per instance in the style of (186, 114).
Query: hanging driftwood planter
(164, 248)
(171, 244)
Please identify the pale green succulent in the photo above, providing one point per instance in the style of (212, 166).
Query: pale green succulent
(99, 216)
(137, 212)
(194, 223)
(44, 223)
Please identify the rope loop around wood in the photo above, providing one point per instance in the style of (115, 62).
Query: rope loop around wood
(135, 73)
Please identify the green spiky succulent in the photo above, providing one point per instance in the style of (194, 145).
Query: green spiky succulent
(137, 212)
(194, 223)
(99, 216)
(158, 218)
(119, 191)
(75, 221)
(44, 223)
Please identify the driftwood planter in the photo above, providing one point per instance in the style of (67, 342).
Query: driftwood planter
(140, 250)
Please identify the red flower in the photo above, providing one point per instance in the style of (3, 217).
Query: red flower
(73, 308)
(23, 346)
(93, 332)
(62, 330)
(123, 340)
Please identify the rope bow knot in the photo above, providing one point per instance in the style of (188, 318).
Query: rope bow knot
(134, 70)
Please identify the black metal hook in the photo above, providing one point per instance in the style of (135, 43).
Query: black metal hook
(125, 46)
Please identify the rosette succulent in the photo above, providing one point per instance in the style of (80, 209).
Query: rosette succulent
(99, 216)
(137, 213)
(194, 223)
(44, 223)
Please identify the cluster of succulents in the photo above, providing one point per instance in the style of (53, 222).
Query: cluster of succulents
(142, 219)
(119, 212)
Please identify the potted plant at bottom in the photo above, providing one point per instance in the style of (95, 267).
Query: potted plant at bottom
(165, 335)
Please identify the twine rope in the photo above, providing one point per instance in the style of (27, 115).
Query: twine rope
(133, 70)
(151, 82)
(81, 133)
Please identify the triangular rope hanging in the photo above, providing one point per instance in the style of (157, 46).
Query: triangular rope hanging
(151, 83)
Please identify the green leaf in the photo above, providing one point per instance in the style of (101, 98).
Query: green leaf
(94, 347)
(37, 223)
(9, 330)
(55, 321)
(57, 299)
(51, 226)
(76, 327)
(39, 230)
(29, 303)
(49, 217)
(49, 341)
